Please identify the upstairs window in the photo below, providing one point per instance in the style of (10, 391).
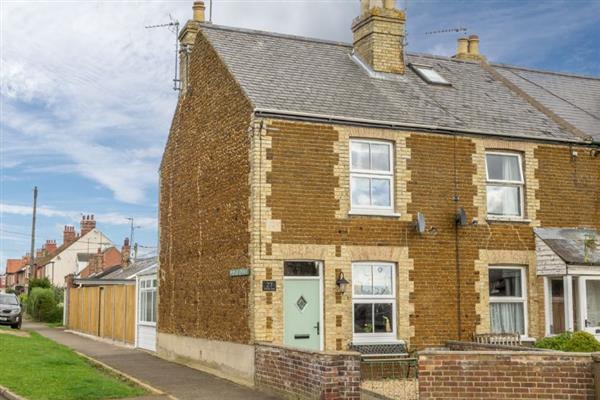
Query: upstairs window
(504, 185)
(371, 176)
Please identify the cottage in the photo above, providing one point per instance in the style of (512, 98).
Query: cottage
(329, 196)
(66, 258)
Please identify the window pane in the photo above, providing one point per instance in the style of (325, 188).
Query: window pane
(362, 279)
(505, 282)
(592, 289)
(380, 157)
(503, 167)
(384, 317)
(382, 279)
(360, 155)
(363, 318)
(301, 268)
(507, 318)
(380, 192)
(148, 306)
(360, 192)
(504, 200)
(154, 304)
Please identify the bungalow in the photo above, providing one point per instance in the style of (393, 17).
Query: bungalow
(330, 196)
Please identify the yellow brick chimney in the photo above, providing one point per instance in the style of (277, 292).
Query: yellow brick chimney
(379, 36)
(187, 38)
(468, 49)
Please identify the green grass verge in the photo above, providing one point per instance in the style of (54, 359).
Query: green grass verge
(40, 369)
(54, 324)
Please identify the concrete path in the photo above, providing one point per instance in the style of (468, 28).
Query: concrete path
(179, 381)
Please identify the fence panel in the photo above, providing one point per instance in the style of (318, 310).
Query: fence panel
(105, 311)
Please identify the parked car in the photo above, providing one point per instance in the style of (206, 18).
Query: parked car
(11, 311)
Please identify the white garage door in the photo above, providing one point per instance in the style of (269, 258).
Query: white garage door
(147, 302)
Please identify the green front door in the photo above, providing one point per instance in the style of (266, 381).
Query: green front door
(302, 313)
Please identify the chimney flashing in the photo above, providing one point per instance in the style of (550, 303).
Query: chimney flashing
(386, 76)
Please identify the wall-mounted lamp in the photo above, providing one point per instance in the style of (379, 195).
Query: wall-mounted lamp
(341, 283)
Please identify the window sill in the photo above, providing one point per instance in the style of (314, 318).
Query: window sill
(374, 213)
(514, 220)
(376, 340)
(151, 324)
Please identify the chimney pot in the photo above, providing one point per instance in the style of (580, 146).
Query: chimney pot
(462, 46)
(389, 4)
(199, 9)
(474, 45)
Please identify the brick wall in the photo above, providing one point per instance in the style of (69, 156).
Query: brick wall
(505, 375)
(297, 374)
(204, 207)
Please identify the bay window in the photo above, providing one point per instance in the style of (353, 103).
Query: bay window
(374, 301)
(504, 184)
(508, 300)
(371, 176)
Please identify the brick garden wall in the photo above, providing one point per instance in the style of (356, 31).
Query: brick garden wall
(297, 374)
(204, 207)
(505, 375)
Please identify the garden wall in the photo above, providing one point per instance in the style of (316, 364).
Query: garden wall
(445, 374)
(302, 374)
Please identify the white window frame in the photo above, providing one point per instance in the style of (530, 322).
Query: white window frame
(376, 337)
(503, 182)
(368, 173)
(141, 291)
(512, 299)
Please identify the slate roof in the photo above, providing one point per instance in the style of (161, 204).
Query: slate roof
(131, 271)
(568, 244)
(309, 76)
(574, 98)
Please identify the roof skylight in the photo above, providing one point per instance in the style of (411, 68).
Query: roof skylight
(429, 75)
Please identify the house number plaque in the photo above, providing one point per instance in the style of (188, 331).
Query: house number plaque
(269, 286)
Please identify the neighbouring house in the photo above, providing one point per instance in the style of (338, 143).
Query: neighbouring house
(15, 272)
(103, 262)
(2, 282)
(64, 260)
(329, 196)
(118, 303)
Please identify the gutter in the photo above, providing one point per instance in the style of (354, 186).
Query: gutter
(313, 117)
(92, 282)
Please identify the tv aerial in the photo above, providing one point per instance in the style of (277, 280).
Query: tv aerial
(173, 26)
(447, 30)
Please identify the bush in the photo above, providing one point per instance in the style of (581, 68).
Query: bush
(582, 342)
(39, 282)
(42, 305)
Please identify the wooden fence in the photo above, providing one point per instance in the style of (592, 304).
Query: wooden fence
(104, 311)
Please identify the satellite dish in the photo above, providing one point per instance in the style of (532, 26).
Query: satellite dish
(420, 224)
(461, 217)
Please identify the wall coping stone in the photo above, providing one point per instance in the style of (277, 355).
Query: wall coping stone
(307, 351)
(552, 353)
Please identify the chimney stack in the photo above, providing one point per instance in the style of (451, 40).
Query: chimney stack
(69, 234)
(468, 49)
(87, 224)
(187, 38)
(50, 246)
(125, 252)
(379, 36)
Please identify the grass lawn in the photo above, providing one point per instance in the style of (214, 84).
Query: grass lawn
(40, 369)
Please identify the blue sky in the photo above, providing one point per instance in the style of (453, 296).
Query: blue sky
(86, 102)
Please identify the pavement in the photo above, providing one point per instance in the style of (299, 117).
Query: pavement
(175, 380)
